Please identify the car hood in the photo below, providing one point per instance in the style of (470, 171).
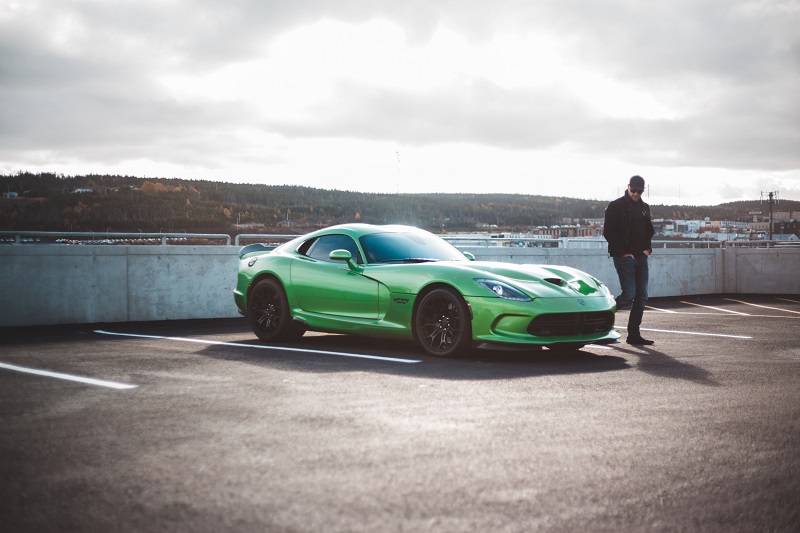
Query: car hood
(540, 281)
(543, 280)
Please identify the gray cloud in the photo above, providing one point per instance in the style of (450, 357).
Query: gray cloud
(740, 59)
(94, 95)
(480, 112)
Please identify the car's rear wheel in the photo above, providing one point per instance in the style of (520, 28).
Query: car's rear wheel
(268, 310)
(442, 324)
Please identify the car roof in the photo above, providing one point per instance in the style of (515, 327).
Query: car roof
(359, 229)
(354, 230)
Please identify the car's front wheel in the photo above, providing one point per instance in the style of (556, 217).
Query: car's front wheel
(268, 310)
(442, 324)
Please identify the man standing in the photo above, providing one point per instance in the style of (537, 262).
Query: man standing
(629, 230)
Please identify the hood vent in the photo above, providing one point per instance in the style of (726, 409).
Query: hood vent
(556, 281)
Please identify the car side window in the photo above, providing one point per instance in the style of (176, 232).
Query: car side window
(322, 247)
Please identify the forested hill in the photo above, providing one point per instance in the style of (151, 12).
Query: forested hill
(50, 202)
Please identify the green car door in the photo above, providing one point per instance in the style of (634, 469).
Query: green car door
(331, 287)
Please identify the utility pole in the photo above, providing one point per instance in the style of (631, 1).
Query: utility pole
(773, 199)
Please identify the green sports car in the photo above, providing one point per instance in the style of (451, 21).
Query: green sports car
(401, 282)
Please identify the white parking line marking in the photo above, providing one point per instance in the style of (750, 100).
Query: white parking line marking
(762, 306)
(706, 313)
(698, 333)
(693, 333)
(715, 308)
(262, 347)
(710, 313)
(68, 377)
(661, 310)
(788, 300)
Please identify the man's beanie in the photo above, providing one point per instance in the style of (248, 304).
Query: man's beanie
(637, 183)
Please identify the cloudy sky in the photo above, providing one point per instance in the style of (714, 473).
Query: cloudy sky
(552, 97)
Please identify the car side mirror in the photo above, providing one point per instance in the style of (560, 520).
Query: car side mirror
(469, 256)
(344, 255)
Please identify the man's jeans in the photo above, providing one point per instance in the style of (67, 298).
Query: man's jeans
(633, 276)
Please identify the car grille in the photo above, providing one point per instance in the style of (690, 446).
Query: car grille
(570, 324)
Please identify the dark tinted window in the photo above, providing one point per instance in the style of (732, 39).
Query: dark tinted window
(322, 247)
(408, 247)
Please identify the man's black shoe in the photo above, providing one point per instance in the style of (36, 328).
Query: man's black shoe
(639, 341)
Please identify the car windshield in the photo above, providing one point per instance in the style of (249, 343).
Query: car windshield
(407, 248)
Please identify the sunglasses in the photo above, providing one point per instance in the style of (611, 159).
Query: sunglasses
(638, 191)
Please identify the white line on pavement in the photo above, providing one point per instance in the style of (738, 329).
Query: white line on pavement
(762, 306)
(661, 310)
(715, 308)
(258, 346)
(711, 313)
(68, 377)
(693, 333)
(698, 333)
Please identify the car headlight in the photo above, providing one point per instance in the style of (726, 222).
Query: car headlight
(503, 290)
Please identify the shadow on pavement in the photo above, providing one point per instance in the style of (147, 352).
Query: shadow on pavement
(482, 364)
(660, 364)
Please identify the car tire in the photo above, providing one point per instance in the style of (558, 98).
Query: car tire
(268, 311)
(443, 324)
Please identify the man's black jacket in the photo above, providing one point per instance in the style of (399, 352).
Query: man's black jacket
(617, 229)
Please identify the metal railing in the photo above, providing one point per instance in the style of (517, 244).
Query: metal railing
(601, 244)
(93, 237)
(481, 241)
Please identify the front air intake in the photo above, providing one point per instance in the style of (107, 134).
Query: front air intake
(571, 324)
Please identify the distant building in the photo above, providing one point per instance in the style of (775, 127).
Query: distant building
(571, 231)
(785, 228)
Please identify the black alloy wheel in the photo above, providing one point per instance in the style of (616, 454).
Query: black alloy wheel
(268, 310)
(442, 324)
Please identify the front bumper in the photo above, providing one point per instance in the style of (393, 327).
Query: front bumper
(544, 321)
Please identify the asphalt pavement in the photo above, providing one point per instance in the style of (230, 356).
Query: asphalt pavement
(198, 426)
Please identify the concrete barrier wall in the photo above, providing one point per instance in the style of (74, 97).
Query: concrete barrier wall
(762, 271)
(48, 284)
(672, 272)
(90, 284)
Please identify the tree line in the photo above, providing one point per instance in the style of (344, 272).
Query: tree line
(54, 202)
